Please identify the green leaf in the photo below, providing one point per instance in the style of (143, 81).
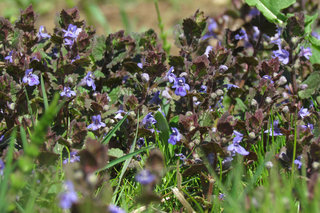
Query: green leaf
(313, 85)
(114, 95)
(308, 21)
(271, 9)
(115, 152)
(163, 126)
(240, 105)
(44, 93)
(99, 48)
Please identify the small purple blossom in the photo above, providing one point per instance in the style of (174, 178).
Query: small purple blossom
(256, 32)
(316, 35)
(42, 34)
(254, 12)
(175, 136)
(119, 114)
(115, 209)
(203, 89)
(181, 87)
(67, 92)
(276, 130)
(89, 80)
(222, 196)
(73, 158)
(305, 52)
(155, 99)
(170, 75)
(267, 77)
(235, 147)
(282, 55)
(96, 123)
(69, 196)
(145, 177)
(30, 78)
(71, 34)
(148, 121)
(308, 126)
(242, 35)
(9, 57)
(212, 26)
(75, 58)
(181, 156)
(2, 166)
(223, 68)
(140, 142)
(303, 112)
(229, 86)
(298, 162)
(140, 65)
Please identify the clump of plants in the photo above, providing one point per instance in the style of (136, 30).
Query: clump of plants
(115, 123)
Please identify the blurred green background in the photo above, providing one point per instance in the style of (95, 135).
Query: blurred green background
(113, 15)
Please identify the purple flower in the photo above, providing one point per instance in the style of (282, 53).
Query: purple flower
(303, 112)
(115, 209)
(30, 78)
(203, 89)
(67, 92)
(298, 162)
(308, 126)
(316, 35)
(73, 158)
(140, 65)
(148, 121)
(119, 114)
(181, 87)
(89, 80)
(256, 32)
(267, 77)
(9, 57)
(1, 166)
(254, 12)
(42, 33)
(75, 58)
(223, 68)
(229, 86)
(171, 76)
(145, 177)
(140, 142)
(71, 34)
(97, 124)
(155, 99)
(238, 136)
(282, 55)
(276, 130)
(242, 35)
(175, 136)
(222, 196)
(181, 156)
(212, 25)
(69, 196)
(235, 147)
(208, 50)
(305, 52)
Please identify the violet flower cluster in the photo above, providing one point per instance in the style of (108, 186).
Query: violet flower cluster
(96, 123)
(145, 177)
(30, 78)
(175, 136)
(235, 147)
(69, 196)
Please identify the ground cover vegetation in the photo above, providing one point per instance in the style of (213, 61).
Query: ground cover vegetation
(115, 123)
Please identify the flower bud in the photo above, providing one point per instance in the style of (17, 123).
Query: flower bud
(252, 135)
(268, 100)
(268, 164)
(219, 92)
(285, 109)
(282, 80)
(145, 77)
(303, 86)
(254, 102)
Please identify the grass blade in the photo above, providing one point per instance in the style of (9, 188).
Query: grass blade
(7, 171)
(44, 93)
(110, 134)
